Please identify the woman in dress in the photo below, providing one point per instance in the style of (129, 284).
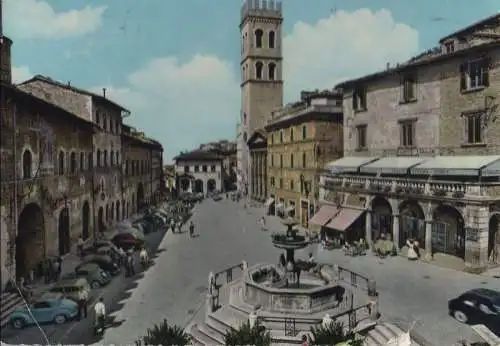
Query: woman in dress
(412, 251)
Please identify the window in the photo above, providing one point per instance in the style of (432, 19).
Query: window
(99, 158)
(291, 134)
(105, 158)
(97, 118)
(474, 128)
(204, 168)
(359, 99)
(111, 126)
(258, 38)
(82, 161)
(281, 183)
(244, 118)
(61, 163)
(272, 37)
(186, 169)
(117, 158)
(303, 160)
(361, 136)
(281, 136)
(72, 163)
(408, 86)
(281, 161)
(196, 168)
(292, 186)
(212, 168)
(27, 161)
(474, 74)
(407, 132)
(291, 161)
(258, 69)
(90, 163)
(272, 160)
(272, 71)
(271, 181)
(304, 131)
(112, 157)
(449, 47)
(127, 164)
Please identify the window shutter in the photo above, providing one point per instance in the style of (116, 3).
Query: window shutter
(486, 71)
(463, 76)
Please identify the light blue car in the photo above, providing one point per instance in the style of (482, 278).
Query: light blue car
(47, 309)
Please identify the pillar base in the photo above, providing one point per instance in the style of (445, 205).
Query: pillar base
(428, 257)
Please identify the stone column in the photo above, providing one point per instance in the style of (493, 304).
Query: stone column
(251, 175)
(368, 227)
(257, 167)
(395, 230)
(428, 239)
(261, 176)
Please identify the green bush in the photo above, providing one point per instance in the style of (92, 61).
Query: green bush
(164, 334)
(334, 334)
(257, 336)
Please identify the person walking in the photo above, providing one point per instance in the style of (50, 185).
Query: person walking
(100, 315)
(80, 246)
(191, 229)
(56, 269)
(83, 297)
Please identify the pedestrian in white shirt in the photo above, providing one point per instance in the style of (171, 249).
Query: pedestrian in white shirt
(100, 314)
(83, 297)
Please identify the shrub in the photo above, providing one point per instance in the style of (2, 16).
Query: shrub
(245, 335)
(164, 334)
(333, 334)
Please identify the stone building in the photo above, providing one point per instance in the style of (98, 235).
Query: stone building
(422, 152)
(141, 178)
(46, 181)
(301, 139)
(261, 74)
(107, 142)
(198, 171)
(257, 144)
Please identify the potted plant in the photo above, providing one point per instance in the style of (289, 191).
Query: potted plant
(164, 334)
(246, 335)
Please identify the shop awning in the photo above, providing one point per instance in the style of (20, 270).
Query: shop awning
(269, 202)
(491, 170)
(456, 165)
(344, 219)
(349, 164)
(392, 165)
(290, 209)
(325, 214)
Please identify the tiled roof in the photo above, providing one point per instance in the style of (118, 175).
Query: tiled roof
(198, 155)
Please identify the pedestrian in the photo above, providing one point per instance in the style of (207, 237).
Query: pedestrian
(83, 297)
(123, 255)
(80, 246)
(100, 315)
(46, 270)
(59, 267)
(191, 228)
(55, 270)
(311, 258)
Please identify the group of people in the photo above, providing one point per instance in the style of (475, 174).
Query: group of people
(178, 225)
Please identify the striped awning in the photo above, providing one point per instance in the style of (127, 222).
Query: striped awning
(471, 165)
(350, 164)
(324, 214)
(344, 219)
(392, 165)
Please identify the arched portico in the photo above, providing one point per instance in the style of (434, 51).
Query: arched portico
(494, 239)
(448, 231)
(198, 186)
(411, 223)
(64, 231)
(140, 196)
(30, 240)
(86, 220)
(381, 218)
(211, 185)
(117, 211)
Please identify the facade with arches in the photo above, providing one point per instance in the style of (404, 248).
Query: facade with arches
(199, 172)
(261, 76)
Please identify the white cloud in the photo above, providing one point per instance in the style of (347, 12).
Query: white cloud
(38, 19)
(183, 104)
(20, 74)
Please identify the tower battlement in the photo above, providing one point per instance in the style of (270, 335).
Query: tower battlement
(261, 8)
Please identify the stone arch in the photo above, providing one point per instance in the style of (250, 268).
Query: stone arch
(259, 67)
(494, 239)
(86, 220)
(100, 220)
(30, 239)
(140, 196)
(411, 222)
(27, 164)
(258, 37)
(271, 70)
(271, 39)
(117, 211)
(381, 217)
(448, 230)
(211, 185)
(63, 232)
(198, 186)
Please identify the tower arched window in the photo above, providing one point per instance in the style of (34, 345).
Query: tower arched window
(112, 157)
(244, 118)
(272, 37)
(60, 161)
(27, 161)
(258, 38)
(258, 69)
(272, 71)
(72, 161)
(243, 74)
(105, 158)
(82, 161)
(99, 158)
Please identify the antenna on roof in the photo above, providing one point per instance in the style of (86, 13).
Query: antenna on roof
(104, 92)
(69, 83)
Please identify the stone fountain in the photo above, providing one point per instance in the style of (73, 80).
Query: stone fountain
(273, 294)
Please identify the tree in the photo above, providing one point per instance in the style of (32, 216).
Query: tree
(164, 334)
(245, 335)
(334, 334)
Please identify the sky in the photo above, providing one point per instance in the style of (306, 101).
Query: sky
(175, 63)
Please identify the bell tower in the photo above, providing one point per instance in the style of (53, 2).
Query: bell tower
(261, 70)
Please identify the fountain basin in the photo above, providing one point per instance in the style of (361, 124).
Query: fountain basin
(313, 295)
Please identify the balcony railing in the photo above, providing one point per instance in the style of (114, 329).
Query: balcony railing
(406, 186)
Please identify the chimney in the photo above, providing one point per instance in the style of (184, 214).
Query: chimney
(104, 92)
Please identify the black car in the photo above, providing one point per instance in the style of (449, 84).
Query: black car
(477, 306)
(106, 263)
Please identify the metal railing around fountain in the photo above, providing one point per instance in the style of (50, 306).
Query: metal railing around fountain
(214, 285)
(354, 279)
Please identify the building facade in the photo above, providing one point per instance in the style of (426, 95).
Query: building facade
(301, 139)
(257, 144)
(198, 172)
(422, 153)
(261, 74)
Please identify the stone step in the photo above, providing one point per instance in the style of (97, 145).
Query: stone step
(199, 338)
(213, 334)
(9, 302)
(382, 333)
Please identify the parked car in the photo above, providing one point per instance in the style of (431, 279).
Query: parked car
(217, 198)
(47, 309)
(71, 287)
(129, 238)
(106, 263)
(111, 251)
(477, 306)
(144, 226)
(95, 276)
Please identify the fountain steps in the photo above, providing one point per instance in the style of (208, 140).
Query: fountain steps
(382, 333)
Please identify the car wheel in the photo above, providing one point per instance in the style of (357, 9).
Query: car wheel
(95, 284)
(18, 323)
(460, 316)
(60, 319)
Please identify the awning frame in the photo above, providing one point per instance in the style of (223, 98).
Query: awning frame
(347, 216)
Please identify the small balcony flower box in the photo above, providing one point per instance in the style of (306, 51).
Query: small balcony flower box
(458, 194)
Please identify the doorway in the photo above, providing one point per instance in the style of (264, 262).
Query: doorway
(86, 221)
(63, 231)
